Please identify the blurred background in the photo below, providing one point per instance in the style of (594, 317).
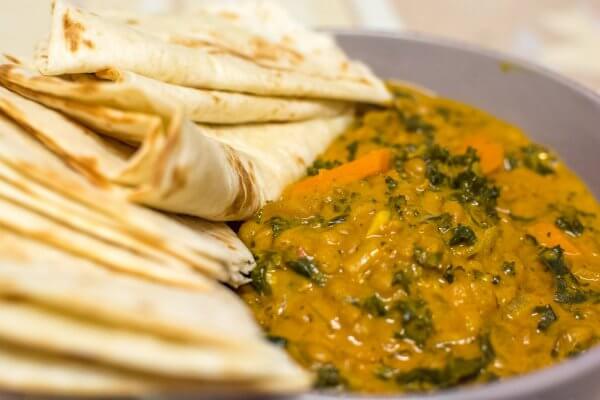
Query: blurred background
(561, 34)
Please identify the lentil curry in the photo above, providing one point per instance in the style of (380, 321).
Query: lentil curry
(431, 245)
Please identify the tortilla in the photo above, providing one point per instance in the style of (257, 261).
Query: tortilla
(260, 31)
(83, 217)
(40, 273)
(82, 42)
(35, 373)
(232, 164)
(21, 322)
(44, 374)
(219, 107)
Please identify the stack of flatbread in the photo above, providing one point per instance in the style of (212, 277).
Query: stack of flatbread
(121, 148)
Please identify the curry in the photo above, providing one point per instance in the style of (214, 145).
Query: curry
(431, 245)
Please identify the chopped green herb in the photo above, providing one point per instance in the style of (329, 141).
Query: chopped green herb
(399, 164)
(397, 203)
(352, 148)
(375, 306)
(442, 221)
(467, 159)
(568, 290)
(337, 220)
(448, 275)
(385, 373)
(547, 317)
(510, 162)
(538, 159)
(402, 279)
(391, 183)
(570, 224)
(417, 324)
(496, 280)
(476, 193)
(434, 175)
(321, 164)
(462, 234)
(328, 377)
(259, 275)
(509, 268)
(307, 268)
(279, 341)
(278, 225)
(444, 112)
(416, 124)
(553, 258)
(436, 152)
(457, 370)
(426, 258)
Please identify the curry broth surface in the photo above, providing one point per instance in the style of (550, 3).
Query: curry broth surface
(449, 267)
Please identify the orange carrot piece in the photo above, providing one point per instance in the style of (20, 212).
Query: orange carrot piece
(491, 154)
(549, 235)
(372, 163)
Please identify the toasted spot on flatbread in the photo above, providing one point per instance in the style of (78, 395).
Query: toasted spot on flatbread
(262, 49)
(73, 32)
(12, 59)
(247, 198)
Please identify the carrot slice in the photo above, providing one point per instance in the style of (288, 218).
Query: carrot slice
(491, 154)
(549, 235)
(372, 163)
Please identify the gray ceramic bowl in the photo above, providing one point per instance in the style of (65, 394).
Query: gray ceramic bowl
(550, 109)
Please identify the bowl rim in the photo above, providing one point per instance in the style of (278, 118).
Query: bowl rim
(521, 385)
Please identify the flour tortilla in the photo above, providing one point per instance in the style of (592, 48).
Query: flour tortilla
(21, 322)
(260, 31)
(239, 168)
(219, 107)
(36, 373)
(207, 106)
(44, 374)
(41, 183)
(81, 42)
(42, 274)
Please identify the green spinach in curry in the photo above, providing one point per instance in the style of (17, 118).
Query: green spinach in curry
(431, 245)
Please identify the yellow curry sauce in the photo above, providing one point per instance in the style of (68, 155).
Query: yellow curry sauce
(468, 255)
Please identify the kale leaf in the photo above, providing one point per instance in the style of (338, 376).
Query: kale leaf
(328, 377)
(307, 268)
(417, 323)
(462, 234)
(547, 317)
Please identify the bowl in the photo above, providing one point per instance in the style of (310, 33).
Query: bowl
(550, 108)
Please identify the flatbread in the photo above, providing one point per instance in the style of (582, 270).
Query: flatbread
(89, 217)
(42, 274)
(82, 42)
(34, 373)
(21, 322)
(219, 107)
(232, 164)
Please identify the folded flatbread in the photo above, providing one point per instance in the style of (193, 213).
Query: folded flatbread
(218, 173)
(42, 197)
(40, 373)
(299, 64)
(219, 107)
(132, 324)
